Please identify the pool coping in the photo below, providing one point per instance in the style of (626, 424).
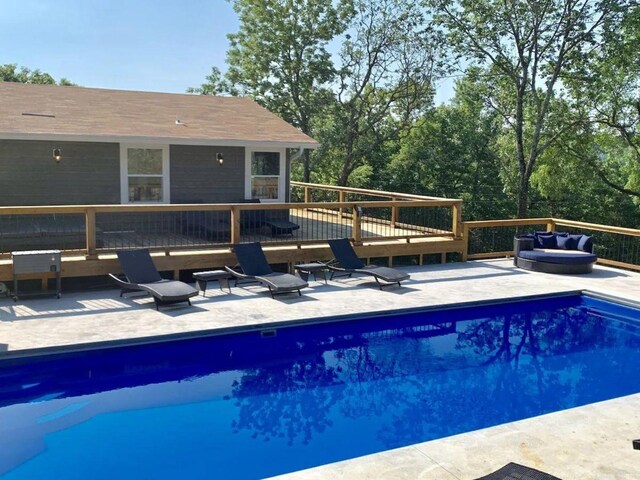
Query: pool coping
(15, 356)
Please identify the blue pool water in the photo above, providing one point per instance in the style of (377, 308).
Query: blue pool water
(250, 406)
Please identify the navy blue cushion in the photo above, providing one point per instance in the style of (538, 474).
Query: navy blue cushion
(547, 241)
(536, 242)
(567, 242)
(585, 244)
(562, 257)
(576, 239)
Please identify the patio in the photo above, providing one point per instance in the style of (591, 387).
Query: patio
(590, 442)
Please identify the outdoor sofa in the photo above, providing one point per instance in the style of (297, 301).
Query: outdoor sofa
(554, 252)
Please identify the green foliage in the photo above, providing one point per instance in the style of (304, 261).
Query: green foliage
(526, 48)
(10, 73)
(279, 57)
(385, 81)
(544, 120)
(451, 153)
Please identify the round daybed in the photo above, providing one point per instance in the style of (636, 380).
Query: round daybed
(554, 252)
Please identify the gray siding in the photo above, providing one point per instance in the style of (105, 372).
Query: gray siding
(196, 176)
(89, 173)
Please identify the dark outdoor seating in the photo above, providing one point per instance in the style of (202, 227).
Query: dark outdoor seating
(255, 268)
(554, 252)
(515, 471)
(142, 275)
(216, 226)
(348, 263)
(277, 221)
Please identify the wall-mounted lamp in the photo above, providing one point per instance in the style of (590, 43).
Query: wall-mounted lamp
(220, 158)
(57, 155)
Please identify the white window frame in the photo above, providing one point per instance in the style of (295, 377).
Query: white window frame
(282, 180)
(124, 172)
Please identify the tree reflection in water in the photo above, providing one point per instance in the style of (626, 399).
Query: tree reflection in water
(417, 384)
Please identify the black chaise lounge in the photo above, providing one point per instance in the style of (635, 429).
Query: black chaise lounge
(255, 268)
(515, 471)
(349, 263)
(142, 276)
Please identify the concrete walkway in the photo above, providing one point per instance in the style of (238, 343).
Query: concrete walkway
(590, 442)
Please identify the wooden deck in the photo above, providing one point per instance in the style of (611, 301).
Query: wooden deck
(176, 260)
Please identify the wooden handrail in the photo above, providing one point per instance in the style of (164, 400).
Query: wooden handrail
(508, 222)
(375, 193)
(594, 226)
(220, 207)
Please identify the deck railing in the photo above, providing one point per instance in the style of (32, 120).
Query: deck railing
(95, 229)
(615, 246)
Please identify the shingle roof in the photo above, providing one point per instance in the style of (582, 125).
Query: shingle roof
(77, 113)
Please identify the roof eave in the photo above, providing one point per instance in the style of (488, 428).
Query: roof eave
(218, 142)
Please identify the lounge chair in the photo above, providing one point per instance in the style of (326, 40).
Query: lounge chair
(515, 471)
(255, 268)
(348, 263)
(142, 276)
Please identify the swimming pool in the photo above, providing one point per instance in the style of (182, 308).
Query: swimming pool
(258, 404)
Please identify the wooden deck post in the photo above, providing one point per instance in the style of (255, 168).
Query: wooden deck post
(341, 199)
(235, 225)
(456, 215)
(551, 225)
(356, 230)
(465, 237)
(90, 230)
(394, 213)
(307, 196)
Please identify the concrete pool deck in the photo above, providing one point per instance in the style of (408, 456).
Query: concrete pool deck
(590, 442)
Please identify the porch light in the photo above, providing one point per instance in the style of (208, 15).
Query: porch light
(57, 155)
(220, 158)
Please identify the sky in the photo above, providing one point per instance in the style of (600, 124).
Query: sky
(159, 45)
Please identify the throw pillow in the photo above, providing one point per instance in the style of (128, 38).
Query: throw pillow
(536, 242)
(567, 242)
(585, 244)
(547, 241)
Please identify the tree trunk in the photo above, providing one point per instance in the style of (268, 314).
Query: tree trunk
(523, 197)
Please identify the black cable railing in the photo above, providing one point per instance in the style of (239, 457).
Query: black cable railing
(57, 231)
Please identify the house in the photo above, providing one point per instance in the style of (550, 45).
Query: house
(74, 145)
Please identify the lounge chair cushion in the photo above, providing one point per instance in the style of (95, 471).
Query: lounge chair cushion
(282, 282)
(566, 257)
(138, 266)
(169, 290)
(387, 274)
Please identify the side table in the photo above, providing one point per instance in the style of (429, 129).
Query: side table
(221, 276)
(306, 269)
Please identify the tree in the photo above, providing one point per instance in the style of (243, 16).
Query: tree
(451, 152)
(385, 80)
(606, 96)
(526, 47)
(9, 73)
(279, 57)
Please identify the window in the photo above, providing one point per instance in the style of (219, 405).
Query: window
(266, 175)
(144, 174)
